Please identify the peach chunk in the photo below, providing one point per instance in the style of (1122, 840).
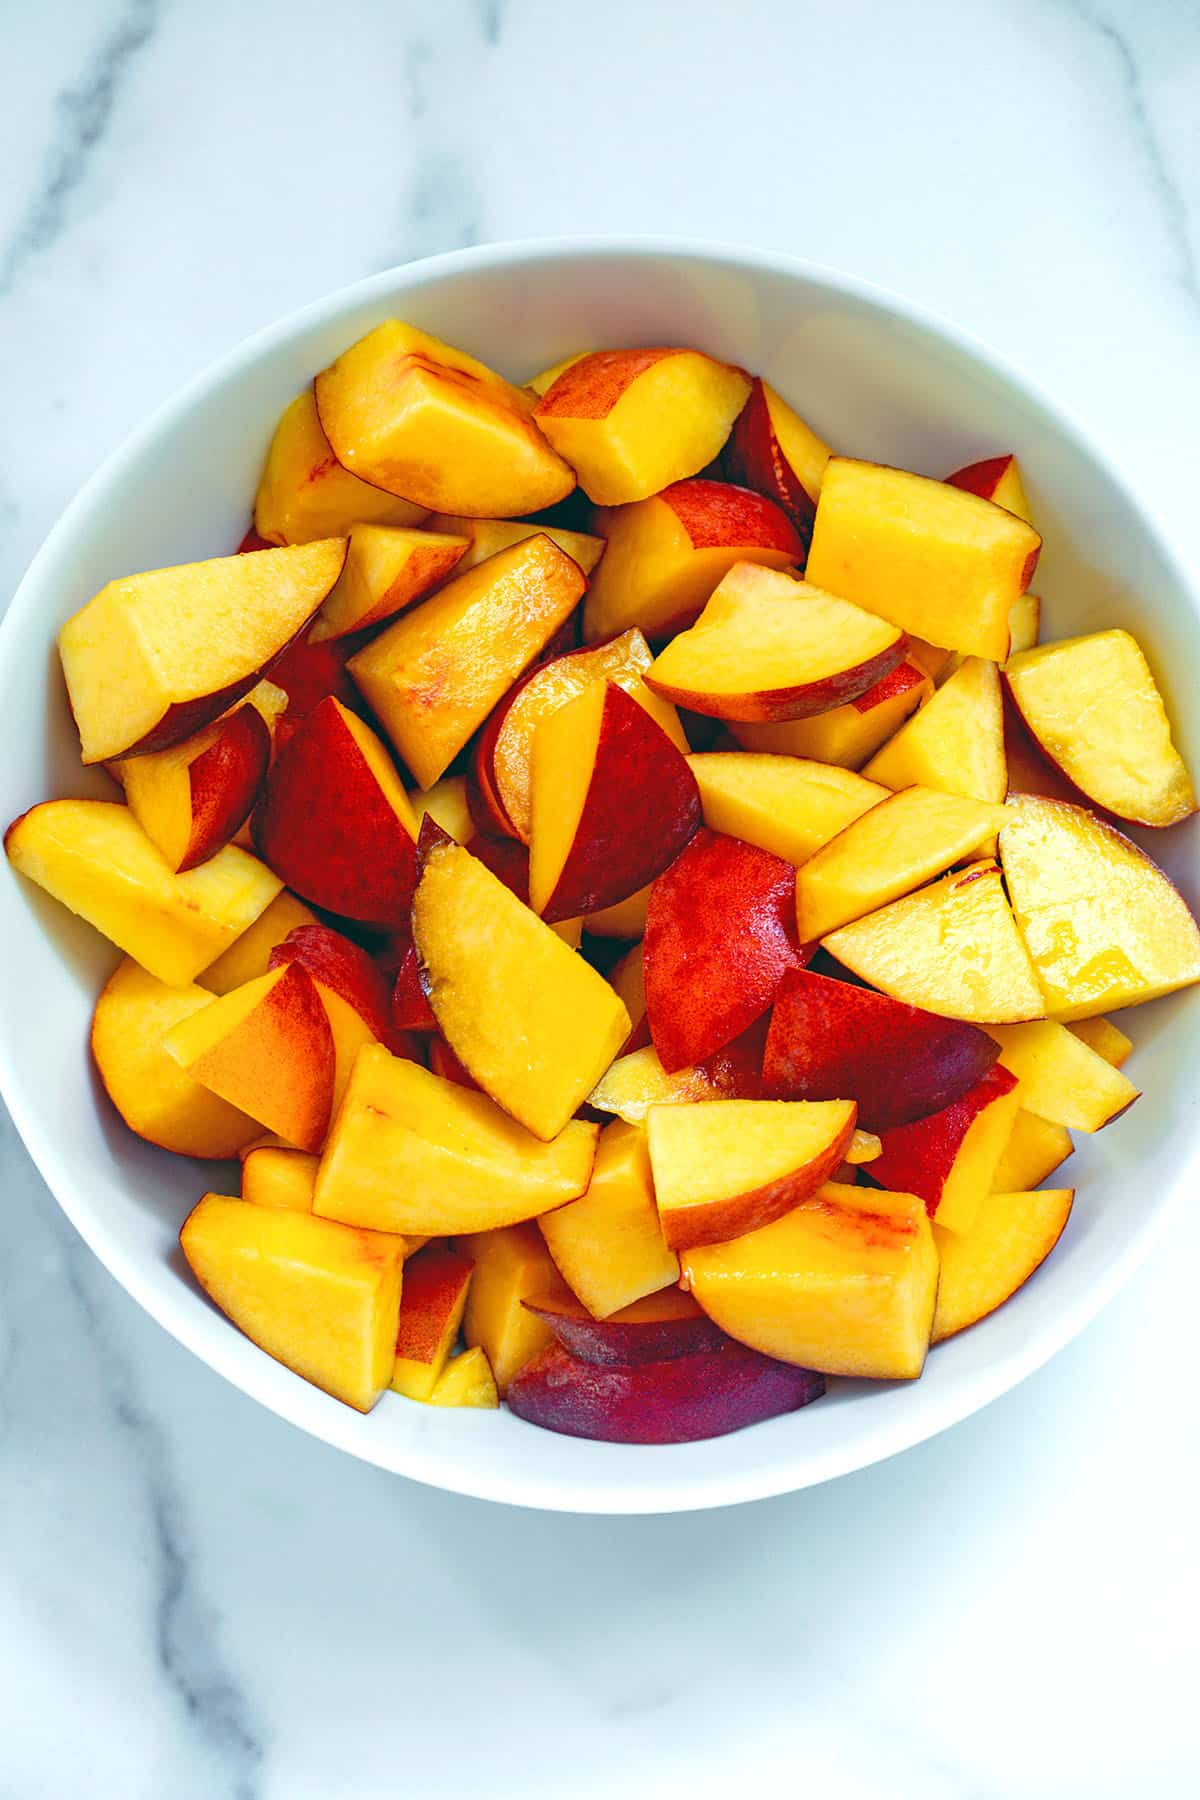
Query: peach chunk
(155, 1097)
(950, 1158)
(608, 1244)
(318, 1297)
(94, 857)
(637, 1080)
(1061, 1078)
(155, 657)
(666, 554)
(770, 648)
(266, 1048)
(1035, 1148)
(772, 450)
(846, 1283)
(485, 537)
(847, 736)
(353, 990)
(436, 1280)
(1024, 624)
(787, 805)
(387, 569)
(250, 954)
(305, 493)
(1092, 706)
(532, 1022)
(410, 1152)
(887, 852)
(996, 478)
(614, 802)
(446, 803)
(954, 743)
(655, 1328)
(953, 948)
(933, 559)
(731, 1166)
(1102, 1036)
(336, 823)
(1104, 925)
(434, 675)
(510, 1265)
(1012, 1236)
(630, 422)
(466, 1380)
(193, 799)
(275, 1176)
(413, 415)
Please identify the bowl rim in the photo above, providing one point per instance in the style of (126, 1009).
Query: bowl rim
(666, 1494)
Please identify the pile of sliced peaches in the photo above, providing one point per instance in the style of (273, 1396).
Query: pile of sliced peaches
(628, 883)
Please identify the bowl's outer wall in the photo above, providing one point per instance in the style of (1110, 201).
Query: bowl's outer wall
(878, 380)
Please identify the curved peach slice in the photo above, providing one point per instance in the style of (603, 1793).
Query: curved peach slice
(510, 1264)
(466, 1380)
(336, 823)
(887, 852)
(94, 857)
(784, 804)
(485, 537)
(432, 1303)
(832, 1040)
(533, 1023)
(847, 736)
(250, 954)
(416, 417)
(613, 803)
(275, 1176)
(772, 450)
(950, 1158)
(955, 743)
(1105, 927)
(953, 948)
(266, 1048)
(608, 1244)
(630, 422)
(318, 1297)
(681, 1401)
(720, 937)
(996, 478)
(731, 1166)
(667, 553)
(1012, 1236)
(656, 1328)
(154, 1096)
(637, 1080)
(1061, 1078)
(192, 799)
(1102, 1036)
(388, 568)
(155, 657)
(305, 493)
(846, 1283)
(933, 559)
(1035, 1148)
(434, 675)
(1092, 706)
(410, 1152)
(768, 647)
(336, 963)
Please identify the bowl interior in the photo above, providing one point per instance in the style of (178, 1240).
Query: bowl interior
(878, 380)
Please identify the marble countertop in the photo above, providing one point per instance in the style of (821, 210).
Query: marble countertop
(199, 1603)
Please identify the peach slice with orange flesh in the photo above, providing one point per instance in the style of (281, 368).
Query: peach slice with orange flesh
(446, 803)
(387, 569)
(510, 1265)
(336, 823)
(935, 560)
(354, 992)
(1011, 1238)
(952, 948)
(485, 537)
(665, 555)
(431, 1309)
(544, 380)
(955, 743)
(998, 479)
(608, 1244)
(94, 857)
(613, 803)
(631, 422)
(1104, 926)
(193, 799)
(155, 1097)
(637, 1080)
(1061, 1078)
(888, 852)
(466, 1380)
(1024, 624)
(950, 1158)
(491, 964)
(845, 1283)
(1035, 1148)
(267, 1049)
(305, 493)
(154, 658)
(320, 1298)
(433, 676)
(847, 736)
(274, 1176)
(1092, 706)
(769, 648)
(653, 1328)
(1102, 1036)
(772, 450)
(787, 805)
(412, 1153)
(250, 954)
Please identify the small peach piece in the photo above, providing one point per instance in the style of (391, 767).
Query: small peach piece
(436, 1280)
(387, 569)
(250, 954)
(485, 537)
(467, 1380)
(279, 1177)
(446, 803)
(784, 804)
(998, 479)
(1102, 1036)
(1061, 1078)
(511, 1265)
(305, 493)
(950, 1158)
(193, 799)
(772, 450)
(1024, 624)
(846, 736)
(954, 743)
(608, 1244)
(1012, 1236)
(653, 1328)
(637, 1080)
(1035, 1148)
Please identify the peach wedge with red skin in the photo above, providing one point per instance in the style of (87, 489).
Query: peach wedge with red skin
(154, 658)
(996, 478)
(387, 569)
(768, 648)
(432, 1302)
(665, 555)
(194, 798)
(631, 422)
(637, 1080)
(833, 1040)
(250, 954)
(305, 493)
(1062, 1079)
(1011, 1238)
(656, 1328)
(487, 537)
(847, 736)
(772, 450)
(345, 968)
(950, 1158)
(954, 743)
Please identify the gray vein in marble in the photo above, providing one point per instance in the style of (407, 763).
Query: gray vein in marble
(85, 111)
(186, 1630)
(491, 21)
(416, 70)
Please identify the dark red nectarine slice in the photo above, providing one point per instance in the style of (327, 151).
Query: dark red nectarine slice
(662, 1326)
(950, 1158)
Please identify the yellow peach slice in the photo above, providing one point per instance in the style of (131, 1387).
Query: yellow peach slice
(1105, 1038)
(511, 1265)
(305, 493)
(608, 1244)
(1012, 1236)
(785, 804)
(250, 954)
(846, 736)
(954, 743)
(466, 1380)
(1061, 1078)
(1035, 1148)
(272, 1176)
(387, 569)
(485, 537)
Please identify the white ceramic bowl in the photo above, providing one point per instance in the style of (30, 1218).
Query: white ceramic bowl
(879, 379)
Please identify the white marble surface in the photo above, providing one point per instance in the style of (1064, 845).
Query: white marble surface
(197, 1603)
